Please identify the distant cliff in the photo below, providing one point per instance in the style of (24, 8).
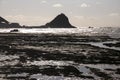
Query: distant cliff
(2, 20)
(61, 21)
(6, 24)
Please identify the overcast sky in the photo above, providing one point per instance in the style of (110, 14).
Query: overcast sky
(81, 13)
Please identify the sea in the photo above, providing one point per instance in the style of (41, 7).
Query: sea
(113, 32)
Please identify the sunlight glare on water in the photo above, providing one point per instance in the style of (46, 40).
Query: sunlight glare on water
(112, 31)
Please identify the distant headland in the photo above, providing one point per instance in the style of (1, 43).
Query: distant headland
(60, 21)
(6, 24)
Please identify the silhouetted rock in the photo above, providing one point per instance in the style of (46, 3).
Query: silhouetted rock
(16, 25)
(61, 21)
(5, 24)
(14, 30)
(2, 20)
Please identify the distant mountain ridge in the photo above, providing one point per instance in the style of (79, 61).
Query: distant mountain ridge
(60, 21)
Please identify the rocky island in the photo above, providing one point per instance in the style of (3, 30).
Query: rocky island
(61, 21)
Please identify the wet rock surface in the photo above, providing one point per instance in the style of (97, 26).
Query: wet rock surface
(117, 44)
(46, 56)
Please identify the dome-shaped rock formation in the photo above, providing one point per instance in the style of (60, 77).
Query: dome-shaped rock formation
(61, 21)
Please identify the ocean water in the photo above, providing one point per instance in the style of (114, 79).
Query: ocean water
(105, 31)
(46, 30)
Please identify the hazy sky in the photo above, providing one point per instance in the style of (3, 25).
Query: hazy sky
(81, 13)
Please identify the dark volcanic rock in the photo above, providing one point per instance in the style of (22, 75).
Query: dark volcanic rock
(61, 21)
(2, 20)
(16, 25)
(5, 24)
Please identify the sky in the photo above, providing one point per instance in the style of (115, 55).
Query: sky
(81, 13)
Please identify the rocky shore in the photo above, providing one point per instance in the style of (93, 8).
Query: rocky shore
(45, 56)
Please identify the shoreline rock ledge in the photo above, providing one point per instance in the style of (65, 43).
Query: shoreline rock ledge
(61, 21)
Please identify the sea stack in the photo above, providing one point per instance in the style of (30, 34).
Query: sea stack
(61, 21)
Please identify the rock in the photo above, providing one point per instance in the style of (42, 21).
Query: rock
(5, 24)
(61, 21)
(14, 30)
(16, 25)
(2, 20)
